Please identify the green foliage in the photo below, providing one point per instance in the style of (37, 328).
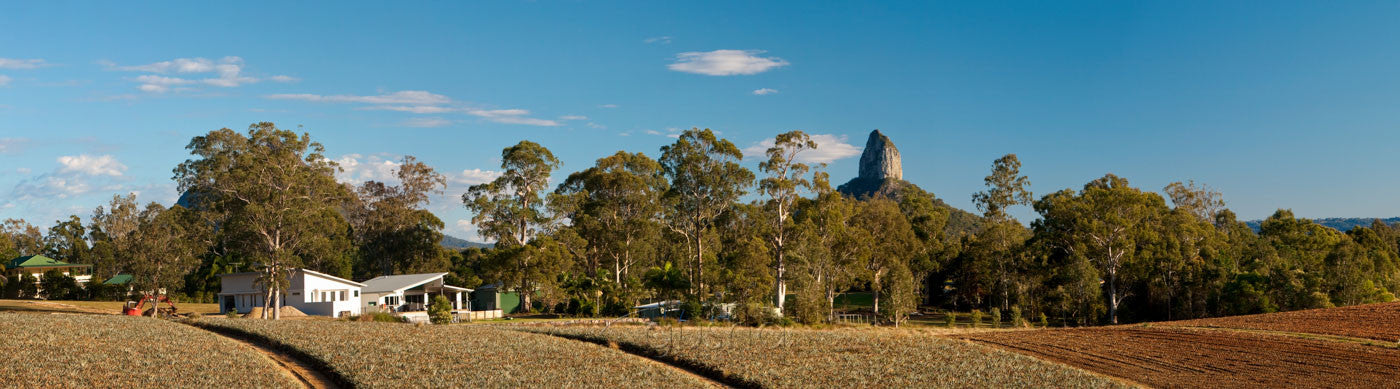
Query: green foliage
(976, 318)
(440, 312)
(59, 286)
(951, 319)
(996, 317)
(511, 211)
(1016, 320)
(1043, 320)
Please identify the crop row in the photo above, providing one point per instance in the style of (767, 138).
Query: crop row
(69, 350)
(785, 358)
(392, 355)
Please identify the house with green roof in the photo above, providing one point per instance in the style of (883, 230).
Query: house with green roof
(37, 265)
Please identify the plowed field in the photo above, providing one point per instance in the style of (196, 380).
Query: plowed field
(1371, 321)
(1204, 358)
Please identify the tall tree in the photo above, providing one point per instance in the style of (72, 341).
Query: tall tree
(168, 243)
(274, 192)
(393, 230)
(889, 241)
(510, 210)
(67, 241)
(1006, 187)
(615, 205)
(1104, 223)
(706, 180)
(785, 178)
(111, 232)
(830, 245)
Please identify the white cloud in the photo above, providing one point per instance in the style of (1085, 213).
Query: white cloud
(283, 78)
(474, 176)
(23, 170)
(17, 63)
(410, 108)
(408, 97)
(573, 117)
(596, 125)
(356, 169)
(4, 80)
(671, 132)
(764, 91)
(511, 116)
(427, 122)
(829, 148)
(725, 62)
(227, 72)
(608, 106)
(665, 40)
(90, 165)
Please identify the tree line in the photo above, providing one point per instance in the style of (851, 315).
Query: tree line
(694, 225)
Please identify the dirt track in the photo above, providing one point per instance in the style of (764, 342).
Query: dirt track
(1204, 358)
(304, 372)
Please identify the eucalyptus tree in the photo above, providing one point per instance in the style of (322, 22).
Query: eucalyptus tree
(616, 206)
(111, 232)
(167, 246)
(67, 241)
(510, 210)
(393, 230)
(830, 245)
(706, 180)
(1106, 223)
(888, 241)
(1006, 187)
(273, 193)
(784, 181)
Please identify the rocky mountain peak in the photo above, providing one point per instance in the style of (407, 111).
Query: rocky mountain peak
(880, 161)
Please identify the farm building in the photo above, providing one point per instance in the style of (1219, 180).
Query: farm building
(490, 297)
(37, 265)
(311, 292)
(410, 294)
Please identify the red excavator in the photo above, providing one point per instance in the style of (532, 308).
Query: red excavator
(133, 308)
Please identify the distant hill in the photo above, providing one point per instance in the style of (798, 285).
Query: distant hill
(456, 243)
(1339, 223)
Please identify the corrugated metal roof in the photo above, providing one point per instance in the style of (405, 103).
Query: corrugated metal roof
(399, 282)
(120, 279)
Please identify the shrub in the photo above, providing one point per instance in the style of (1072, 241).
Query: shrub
(59, 286)
(952, 318)
(232, 314)
(1044, 321)
(976, 318)
(195, 315)
(441, 310)
(996, 317)
(1016, 317)
(381, 317)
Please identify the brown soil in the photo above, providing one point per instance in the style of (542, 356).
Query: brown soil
(1200, 358)
(1371, 321)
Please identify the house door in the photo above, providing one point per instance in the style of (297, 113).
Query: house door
(229, 304)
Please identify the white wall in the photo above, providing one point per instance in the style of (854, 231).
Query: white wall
(304, 294)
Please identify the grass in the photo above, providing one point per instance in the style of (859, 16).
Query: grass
(788, 358)
(110, 307)
(64, 350)
(389, 355)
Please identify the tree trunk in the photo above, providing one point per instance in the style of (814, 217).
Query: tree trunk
(781, 288)
(1113, 296)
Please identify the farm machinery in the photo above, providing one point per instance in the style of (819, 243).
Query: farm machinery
(134, 308)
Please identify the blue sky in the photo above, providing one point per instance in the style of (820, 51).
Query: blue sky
(1276, 104)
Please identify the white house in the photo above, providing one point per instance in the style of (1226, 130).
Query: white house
(409, 295)
(311, 292)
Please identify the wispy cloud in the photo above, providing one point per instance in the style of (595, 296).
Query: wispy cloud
(830, 148)
(427, 122)
(608, 106)
(19, 63)
(725, 62)
(4, 80)
(665, 40)
(573, 117)
(764, 91)
(511, 116)
(226, 72)
(283, 78)
(408, 97)
(12, 145)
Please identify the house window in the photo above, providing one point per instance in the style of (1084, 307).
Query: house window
(357, 293)
(342, 296)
